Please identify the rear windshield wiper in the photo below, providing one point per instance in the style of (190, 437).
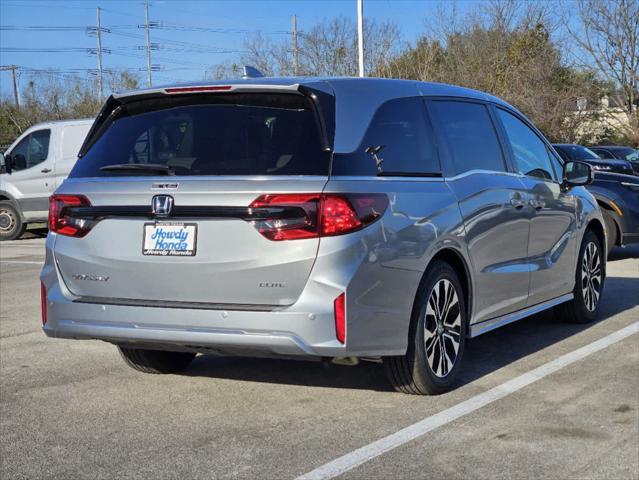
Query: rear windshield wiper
(150, 168)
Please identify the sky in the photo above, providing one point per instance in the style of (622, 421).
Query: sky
(192, 35)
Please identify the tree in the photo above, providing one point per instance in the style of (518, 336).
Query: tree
(506, 48)
(328, 48)
(608, 37)
(52, 96)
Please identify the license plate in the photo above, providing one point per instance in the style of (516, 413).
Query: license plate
(170, 239)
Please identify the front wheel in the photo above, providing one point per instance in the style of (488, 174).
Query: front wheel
(11, 226)
(589, 283)
(437, 338)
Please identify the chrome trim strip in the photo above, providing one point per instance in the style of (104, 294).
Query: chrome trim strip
(177, 304)
(478, 171)
(368, 178)
(488, 325)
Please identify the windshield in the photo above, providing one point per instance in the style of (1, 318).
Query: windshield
(577, 152)
(256, 134)
(630, 154)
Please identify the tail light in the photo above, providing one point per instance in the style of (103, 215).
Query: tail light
(43, 302)
(60, 220)
(291, 216)
(339, 308)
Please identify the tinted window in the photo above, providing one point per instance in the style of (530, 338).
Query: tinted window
(470, 135)
(400, 126)
(31, 150)
(225, 135)
(529, 151)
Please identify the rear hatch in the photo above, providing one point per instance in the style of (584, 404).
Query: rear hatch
(170, 201)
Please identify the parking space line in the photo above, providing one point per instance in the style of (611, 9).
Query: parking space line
(368, 452)
(22, 262)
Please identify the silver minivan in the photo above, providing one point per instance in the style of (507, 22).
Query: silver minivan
(317, 218)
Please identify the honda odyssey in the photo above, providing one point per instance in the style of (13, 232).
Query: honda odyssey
(317, 218)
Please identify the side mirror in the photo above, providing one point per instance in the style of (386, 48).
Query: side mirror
(5, 163)
(577, 174)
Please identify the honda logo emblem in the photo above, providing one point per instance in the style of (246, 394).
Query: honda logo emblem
(161, 205)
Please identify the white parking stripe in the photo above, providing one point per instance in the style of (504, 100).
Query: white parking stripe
(364, 454)
(20, 262)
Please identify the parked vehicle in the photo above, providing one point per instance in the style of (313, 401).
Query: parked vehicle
(620, 153)
(32, 168)
(618, 197)
(317, 218)
(583, 154)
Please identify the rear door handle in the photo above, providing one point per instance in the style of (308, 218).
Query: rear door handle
(45, 170)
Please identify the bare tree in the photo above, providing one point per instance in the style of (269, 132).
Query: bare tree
(610, 37)
(327, 48)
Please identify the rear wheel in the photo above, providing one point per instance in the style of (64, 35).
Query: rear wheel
(438, 335)
(11, 226)
(589, 283)
(156, 361)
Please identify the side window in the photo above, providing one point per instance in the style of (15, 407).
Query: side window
(530, 152)
(31, 150)
(20, 154)
(402, 129)
(38, 147)
(470, 135)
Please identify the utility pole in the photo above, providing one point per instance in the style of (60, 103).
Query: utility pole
(148, 44)
(99, 37)
(296, 53)
(360, 36)
(13, 69)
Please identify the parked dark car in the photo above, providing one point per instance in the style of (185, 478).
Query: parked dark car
(583, 154)
(618, 197)
(620, 153)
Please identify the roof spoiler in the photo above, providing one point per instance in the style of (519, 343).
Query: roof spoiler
(323, 103)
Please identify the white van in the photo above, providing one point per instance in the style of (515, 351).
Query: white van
(32, 168)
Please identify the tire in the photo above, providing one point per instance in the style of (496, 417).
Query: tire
(156, 361)
(421, 371)
(589, 283)
(611, 229)
(11, 225)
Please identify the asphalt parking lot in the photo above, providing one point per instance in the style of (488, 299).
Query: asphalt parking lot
(73, 409)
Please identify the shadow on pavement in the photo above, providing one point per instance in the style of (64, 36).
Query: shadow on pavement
(483, 355)
(622, 253)
(35, 232)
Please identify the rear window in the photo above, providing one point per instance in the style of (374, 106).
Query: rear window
(231, 134)
(404, 136)
(470, 135)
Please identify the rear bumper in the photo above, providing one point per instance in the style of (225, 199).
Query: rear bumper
(260, 332)
(377, 318)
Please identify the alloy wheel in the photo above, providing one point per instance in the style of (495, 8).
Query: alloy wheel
(591, 276)
(442, 328)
